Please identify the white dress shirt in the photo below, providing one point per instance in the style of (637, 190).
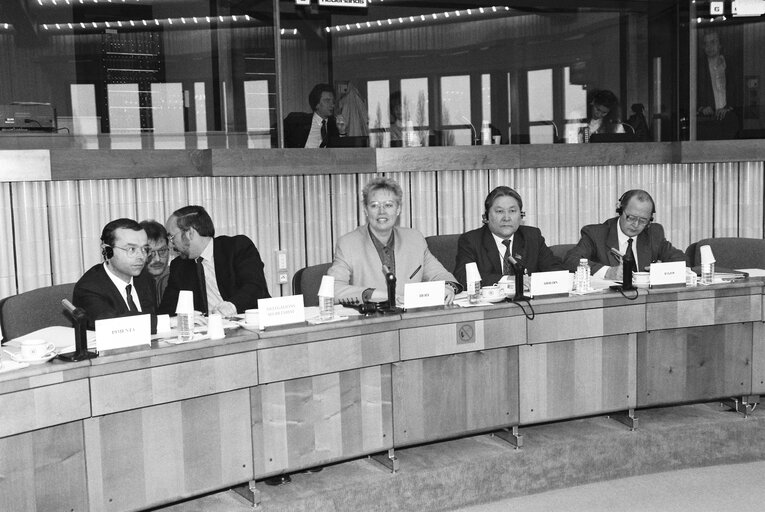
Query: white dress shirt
(211, 282)
(121, 285)
(623, 241)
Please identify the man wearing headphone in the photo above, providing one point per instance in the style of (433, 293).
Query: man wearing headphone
(605, 244)
(319, 128)
(116, 287)
(503, 239)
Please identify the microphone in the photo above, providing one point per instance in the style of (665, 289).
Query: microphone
(519, 270)
(629, 126)
(555, 127)
(80, 318)
(475, 134)
(390, 281)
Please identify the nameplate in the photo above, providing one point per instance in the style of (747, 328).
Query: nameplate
(550, 283)
(122, 332)
(343, 3)
(665, 274)
(281, 311)
(424, 295)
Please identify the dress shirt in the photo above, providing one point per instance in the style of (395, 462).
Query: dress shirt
(501, 247)
(623, 241)
(385, 250)
(120, 284)
(314, 136)
(211, 282)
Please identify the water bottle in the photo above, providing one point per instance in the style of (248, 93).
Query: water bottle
(584, 134)
(326, 308)
(185, 326)
(582, 277)
(707, 273)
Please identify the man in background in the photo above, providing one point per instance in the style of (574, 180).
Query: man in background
(158, 259)
(316, 129)
(718, 99)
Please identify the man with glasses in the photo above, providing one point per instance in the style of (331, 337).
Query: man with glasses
(224, 272)
(605, 244)
(116, 287)
(157, 262)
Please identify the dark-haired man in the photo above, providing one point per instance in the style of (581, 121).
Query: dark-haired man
(157, 261)
(318, 128)
(503, 239)
(605, 244)
(116, 287)
(225, 272)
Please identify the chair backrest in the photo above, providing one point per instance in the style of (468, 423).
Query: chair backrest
(307, 281)
(444, 248)
(33, 310)
(560, 250)
(733, 253)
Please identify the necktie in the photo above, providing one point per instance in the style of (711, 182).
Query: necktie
(130, 303)
(323, 134)
(507, 268)
(629, 250)
(202, 283)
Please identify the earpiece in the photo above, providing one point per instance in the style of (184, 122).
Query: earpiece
(625, 198)
(107, 252)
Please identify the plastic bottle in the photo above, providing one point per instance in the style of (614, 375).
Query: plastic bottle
(474, 291)
(582, 277)
(326, 308)
(485, 133)
(707, 273)
(185, 326)
(584, 134)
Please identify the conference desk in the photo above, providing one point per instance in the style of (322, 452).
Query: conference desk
(135, 430)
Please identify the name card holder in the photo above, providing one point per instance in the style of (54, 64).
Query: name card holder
(424, 295)
(550, 284)
(123, 334)
(281, 311)
(665, 275)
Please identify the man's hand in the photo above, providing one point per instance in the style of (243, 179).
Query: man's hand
(226, 309)
(448, 294)
(706, 111)
(614, 273)
(720, 113)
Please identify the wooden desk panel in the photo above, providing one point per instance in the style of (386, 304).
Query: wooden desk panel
(692, 364)
(327, 356)
(577, 378)
(44, 406)
(146, 457)
(142, 388)
(705, 311)
(758, 358)
(44, 470)
(311, 421)
(444, 396)
(586, 323)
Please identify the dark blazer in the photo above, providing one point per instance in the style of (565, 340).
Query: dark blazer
(297, 127)
(97, 295)
(478, 246)
(597, 239)
(238, 271)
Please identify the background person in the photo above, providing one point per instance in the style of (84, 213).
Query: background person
(318, 128)
(718, 95)
(501, 235)
(604, 113)
(224, 272)
(604, 244)
(158, 259)
(360, 255)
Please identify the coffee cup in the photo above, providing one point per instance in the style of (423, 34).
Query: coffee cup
(163, 323)
(507, 287)
(251, 317)
(641, 279)
(492, 293)
(36, 349)
(215, 326)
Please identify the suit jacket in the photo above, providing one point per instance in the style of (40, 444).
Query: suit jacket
(297, 127)
(96, 294)
(238, 271)
(597, 239)
(478, 246)
(357, 265)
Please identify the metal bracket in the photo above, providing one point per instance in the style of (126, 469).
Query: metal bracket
(390, 461)
(249, 492)
(744, 406)
(628, 418)
(511, 436)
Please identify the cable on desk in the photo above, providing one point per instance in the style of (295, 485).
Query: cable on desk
(533, 313)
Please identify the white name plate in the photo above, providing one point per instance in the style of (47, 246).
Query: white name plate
(281, 311)
(557, 282)
(122, 332)
(667, 273)
(424, 295)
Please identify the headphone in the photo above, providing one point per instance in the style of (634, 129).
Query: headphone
(625, 199)
(498, 192)
(107, 252)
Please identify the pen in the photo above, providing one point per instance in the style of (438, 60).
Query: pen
(415, 272)
(617, 254)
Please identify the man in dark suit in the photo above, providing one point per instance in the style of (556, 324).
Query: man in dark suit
(318, 128)
(225, 272)
(502, 240)
(605, 244)
(116, 287)
(719, 89)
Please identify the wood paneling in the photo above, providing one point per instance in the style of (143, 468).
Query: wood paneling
(456, 394)
(149, 456)
(73, 164)
(691, 364)
(307, 422)
(707, 311)
(44, 406)
(577, 378)
(586, 323)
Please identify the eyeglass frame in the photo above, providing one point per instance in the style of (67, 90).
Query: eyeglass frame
(133, 250)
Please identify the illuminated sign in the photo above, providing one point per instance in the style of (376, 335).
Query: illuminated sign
(343, 3)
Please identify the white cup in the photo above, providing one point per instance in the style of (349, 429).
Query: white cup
(36, 349)
(492, 292)
(641, 279)
(251, 317)
(497, 139)
(507, 287)
(163, 323)
(215, 326)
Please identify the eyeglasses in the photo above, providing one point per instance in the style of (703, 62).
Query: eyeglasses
(133, 250)
(634, 219)
(387, 205)
(171, 236)
(158, 252)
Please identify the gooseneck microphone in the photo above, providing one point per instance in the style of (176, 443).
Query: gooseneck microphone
(390, 282)
(519, 270)
(80, 318)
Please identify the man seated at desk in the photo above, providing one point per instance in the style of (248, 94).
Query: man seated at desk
(633, 230)
(158, 259)
(316, 129)
(224, 272)
(503, 239)
(117, 287)
(362, 255)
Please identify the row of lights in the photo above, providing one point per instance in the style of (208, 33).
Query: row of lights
(421, 18)
(50, 3)
(167, 22)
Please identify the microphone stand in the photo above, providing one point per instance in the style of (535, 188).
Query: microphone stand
(519, 270)
(390, 281)
(80, 318)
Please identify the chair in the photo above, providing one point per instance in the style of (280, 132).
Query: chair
(732, 253)
(33, 310)
(444, 248)
(307, 281)
(560, 250)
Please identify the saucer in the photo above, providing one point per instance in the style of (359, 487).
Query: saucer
(44, 359)
(495, 299)
(245, 325)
